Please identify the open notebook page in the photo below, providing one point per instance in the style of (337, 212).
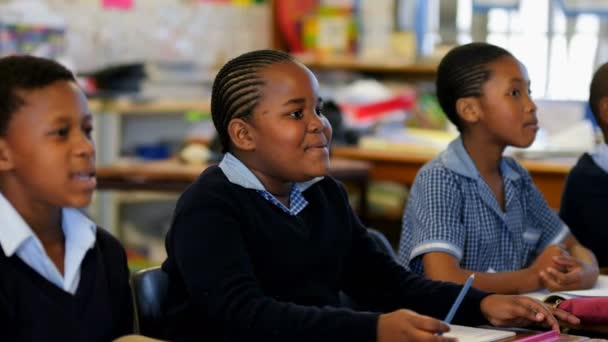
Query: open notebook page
(470, 334)
(599, 290)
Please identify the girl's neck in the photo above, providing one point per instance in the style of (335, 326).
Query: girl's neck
(485, 154)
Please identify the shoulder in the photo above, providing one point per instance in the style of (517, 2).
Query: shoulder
(587, 166)
(436, 173)
(109, 246)
(210, 189)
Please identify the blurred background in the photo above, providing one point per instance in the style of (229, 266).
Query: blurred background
(148, 67)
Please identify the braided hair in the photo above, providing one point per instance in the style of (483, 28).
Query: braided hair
(598, 89)
(25, 73)
(462, 73)
(237, 89)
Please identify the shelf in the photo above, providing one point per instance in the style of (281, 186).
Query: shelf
(156, 106)
(388, 65)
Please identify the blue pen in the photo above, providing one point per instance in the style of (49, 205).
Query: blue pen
(463, 291)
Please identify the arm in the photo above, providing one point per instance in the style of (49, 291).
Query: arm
(445, 267)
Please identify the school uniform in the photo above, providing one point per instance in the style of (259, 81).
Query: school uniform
(451, 209)
(91, 301)
(584, 201)
(242, 266)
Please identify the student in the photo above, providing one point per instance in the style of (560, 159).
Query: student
(261, 245)
(473, 210)
(586, 190)
(63, 278)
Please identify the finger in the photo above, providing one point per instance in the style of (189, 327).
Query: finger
(567, 261)
(429, 324)
(549, 281)
(542, 312)
(564, 279)
(565, 316)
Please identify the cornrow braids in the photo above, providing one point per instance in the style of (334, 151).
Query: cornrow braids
(237, 89)
(25, 73)
(598, 89)
(462, 73)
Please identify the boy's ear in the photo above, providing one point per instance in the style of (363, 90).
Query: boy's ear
(6, 162)
(603, 111)
(241, 134)
(468, 109)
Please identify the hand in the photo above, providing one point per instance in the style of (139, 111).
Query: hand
(569, 273)
(502, 310)
(406, 325)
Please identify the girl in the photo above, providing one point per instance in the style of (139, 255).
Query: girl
(473, 210)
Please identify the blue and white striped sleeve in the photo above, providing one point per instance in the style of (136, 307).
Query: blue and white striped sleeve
(432, 219)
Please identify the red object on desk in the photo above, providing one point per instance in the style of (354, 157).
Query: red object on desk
(548, 336)
(405, 101)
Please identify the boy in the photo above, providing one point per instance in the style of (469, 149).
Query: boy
(63, 278)
(586, 191)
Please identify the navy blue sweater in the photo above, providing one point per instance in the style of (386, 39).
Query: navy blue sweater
(583, 204)
(34, 309)
(242, 269)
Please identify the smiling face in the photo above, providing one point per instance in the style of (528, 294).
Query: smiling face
(47, 154)
(289, 133)
(507, 112)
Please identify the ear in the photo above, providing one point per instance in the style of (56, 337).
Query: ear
(603, 111)
(468, 109)
(241, 134)
(6, 162)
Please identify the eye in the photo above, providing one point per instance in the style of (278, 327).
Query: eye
(298, 114)
(515, 92)
(319, 110)
(62, 132)
(88, 130)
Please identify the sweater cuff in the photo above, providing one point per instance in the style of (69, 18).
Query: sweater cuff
(362, 327)
(472, 306)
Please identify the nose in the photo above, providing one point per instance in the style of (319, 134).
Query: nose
(530, 105)
(317, 123)
(84, 146)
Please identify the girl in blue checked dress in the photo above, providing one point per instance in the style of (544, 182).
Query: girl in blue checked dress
(473, 210)
(262, 244)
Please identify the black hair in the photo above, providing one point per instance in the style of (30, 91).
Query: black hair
(237, 88)
(597, 90)
(19, 73)
(462, 73)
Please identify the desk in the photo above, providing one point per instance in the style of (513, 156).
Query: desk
(172, 176)
(402, 167)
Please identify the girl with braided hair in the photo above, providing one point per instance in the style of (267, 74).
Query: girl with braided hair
(473, 210)
(262, 245)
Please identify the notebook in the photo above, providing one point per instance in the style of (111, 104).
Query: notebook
(470, 334)
(599, 290)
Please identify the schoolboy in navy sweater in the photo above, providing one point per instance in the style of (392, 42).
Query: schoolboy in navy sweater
(262, 244)
(61, 277)
(586, 189)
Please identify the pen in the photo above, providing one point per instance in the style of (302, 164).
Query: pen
(463, 291)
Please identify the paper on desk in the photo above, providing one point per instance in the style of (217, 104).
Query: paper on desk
(599, 290)
(470, 334)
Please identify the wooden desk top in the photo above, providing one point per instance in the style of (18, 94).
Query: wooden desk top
(549, 175)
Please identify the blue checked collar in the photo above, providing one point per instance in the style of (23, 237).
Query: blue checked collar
(237, 173)
(457, 159)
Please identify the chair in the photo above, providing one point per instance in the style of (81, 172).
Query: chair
(149, 288)
(381, 242)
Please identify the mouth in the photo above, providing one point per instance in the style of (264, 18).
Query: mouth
(532, 124)
(87, 179)
(314, 147)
